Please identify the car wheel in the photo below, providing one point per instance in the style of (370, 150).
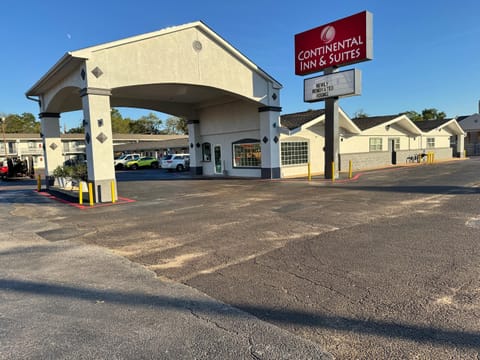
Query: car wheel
(179, 167)
(119, 167)
(134, 166)
(155, 165)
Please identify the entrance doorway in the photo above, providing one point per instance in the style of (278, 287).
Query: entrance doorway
(393, 146)
(217, 153)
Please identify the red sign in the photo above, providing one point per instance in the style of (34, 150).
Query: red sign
(342, 42)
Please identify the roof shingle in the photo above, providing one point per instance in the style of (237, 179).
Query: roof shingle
(295, 120)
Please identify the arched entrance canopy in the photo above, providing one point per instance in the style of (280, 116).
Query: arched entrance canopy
(174, 70)
(181, 70)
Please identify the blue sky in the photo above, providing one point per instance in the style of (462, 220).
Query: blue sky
(426, 54)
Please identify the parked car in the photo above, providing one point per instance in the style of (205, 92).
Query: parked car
(146, 161)
(3, 170)
(120, 162)
(177, 162)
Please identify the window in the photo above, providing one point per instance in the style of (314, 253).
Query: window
(396, 143)
(375, 144)
(12, 147)
(247, 154)
(430, 143)
(206, 152)
(294, 153)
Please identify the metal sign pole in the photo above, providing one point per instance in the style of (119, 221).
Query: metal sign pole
(331, 134)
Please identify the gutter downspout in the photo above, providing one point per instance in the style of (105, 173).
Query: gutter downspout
(33, 99)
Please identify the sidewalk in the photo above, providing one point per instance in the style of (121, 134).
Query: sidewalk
(66, 300)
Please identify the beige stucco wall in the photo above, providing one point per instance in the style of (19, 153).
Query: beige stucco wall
(224, 125)
(315, 136)
(171, 58)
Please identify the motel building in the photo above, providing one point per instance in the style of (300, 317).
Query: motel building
(232, 107)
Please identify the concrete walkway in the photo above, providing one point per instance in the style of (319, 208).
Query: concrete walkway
(67, 300)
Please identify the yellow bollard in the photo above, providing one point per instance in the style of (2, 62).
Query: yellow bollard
(112, 187)
(350, 169)
(333, 171)
(90, 193)
(433, 157)
(39, 183)
(309, 172)
(80, 193)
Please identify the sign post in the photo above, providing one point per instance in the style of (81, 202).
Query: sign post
(331, 135)
(325, 48)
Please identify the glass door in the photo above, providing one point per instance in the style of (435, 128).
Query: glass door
(217, 153)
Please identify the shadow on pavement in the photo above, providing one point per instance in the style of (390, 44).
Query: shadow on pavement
(414, 333)
(427, 189)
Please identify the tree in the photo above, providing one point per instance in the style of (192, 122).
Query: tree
(432, 114)
(412, 115)
(119, 124)
(427, 114)
(360, 114)
(24, 123)
(149, 124)
(76, 130)
(175, 125)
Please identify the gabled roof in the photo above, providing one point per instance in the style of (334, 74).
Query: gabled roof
(450, 125)
(463, 117)
(428, 125)
(469, 122)
(296, 120)
(400, 120)
(365, 123)
(293, 123)
(72, 59)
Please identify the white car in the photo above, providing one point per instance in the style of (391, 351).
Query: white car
(177, 162)
(122, 160)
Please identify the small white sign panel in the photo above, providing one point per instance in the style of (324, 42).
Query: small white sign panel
(339, 84)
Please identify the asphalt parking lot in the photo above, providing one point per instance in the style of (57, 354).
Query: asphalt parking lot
(383, 267)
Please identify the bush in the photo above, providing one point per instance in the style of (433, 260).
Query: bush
(59, 172)
(78, 172)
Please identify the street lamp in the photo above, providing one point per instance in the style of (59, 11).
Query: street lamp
(3, 120)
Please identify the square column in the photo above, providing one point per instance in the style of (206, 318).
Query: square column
(195, 144)
(270, 141)
(99, 143)
(52, 144)
(461, 145)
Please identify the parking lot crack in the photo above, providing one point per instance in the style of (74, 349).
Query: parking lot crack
(251, 348)
(211, 322)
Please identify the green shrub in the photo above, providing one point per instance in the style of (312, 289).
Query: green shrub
(78, 172)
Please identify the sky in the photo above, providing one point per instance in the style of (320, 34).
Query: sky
(425, 54)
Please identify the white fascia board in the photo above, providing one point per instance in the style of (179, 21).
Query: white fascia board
(407, 124)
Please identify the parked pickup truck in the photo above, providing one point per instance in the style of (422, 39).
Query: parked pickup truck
(120, 162)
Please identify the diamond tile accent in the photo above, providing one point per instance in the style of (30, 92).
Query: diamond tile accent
(275, 139)
(274, 96)
(265, 139)
(198, 145)
(191, 145)
(53, 146)
(102, 137)
(83, 74)
(87, 138)
(97, 72)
